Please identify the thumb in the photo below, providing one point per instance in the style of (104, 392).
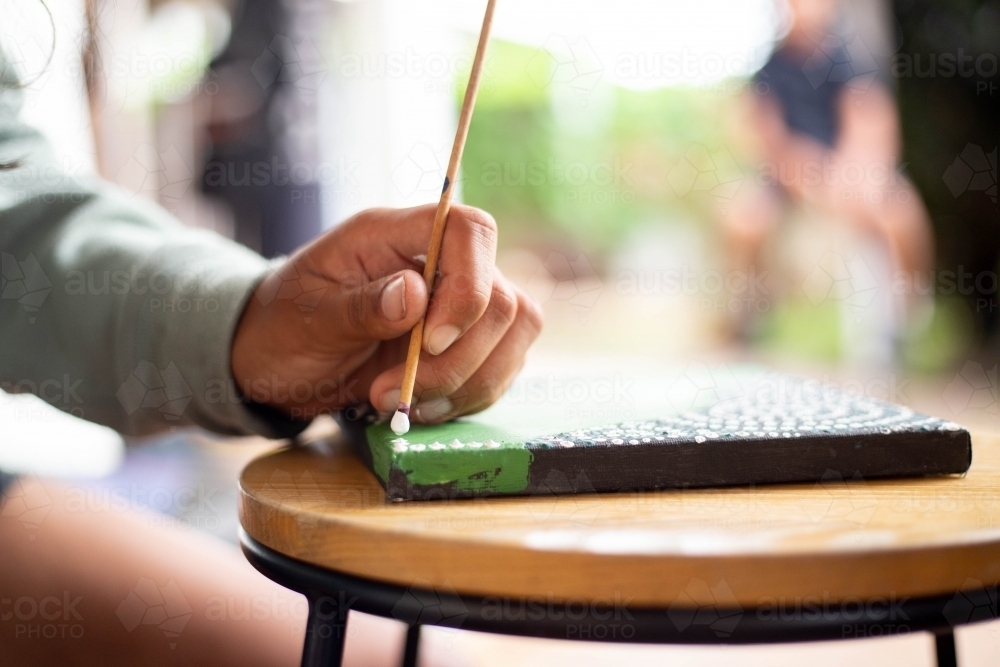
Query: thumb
(385, 308)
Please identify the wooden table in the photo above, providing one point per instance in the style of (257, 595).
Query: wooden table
(839, 559)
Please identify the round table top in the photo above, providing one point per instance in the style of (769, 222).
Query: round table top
(837, 540)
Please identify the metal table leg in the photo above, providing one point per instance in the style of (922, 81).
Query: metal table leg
(945, 645)
(412, 646)
(325, 632)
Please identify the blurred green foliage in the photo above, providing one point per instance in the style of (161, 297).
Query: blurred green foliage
(549, 158)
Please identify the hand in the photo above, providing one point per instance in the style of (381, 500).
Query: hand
(330, 327)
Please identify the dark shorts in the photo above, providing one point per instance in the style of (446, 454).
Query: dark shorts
(6, 481)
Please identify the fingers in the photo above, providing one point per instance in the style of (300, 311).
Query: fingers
(392, 239)
(380, 310)
(492, 379)
(441, 375)
(465, 285)
(477, 368)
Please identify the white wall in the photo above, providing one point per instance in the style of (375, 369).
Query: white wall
(387, 107)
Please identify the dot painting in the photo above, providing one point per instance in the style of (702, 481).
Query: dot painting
(779, 430)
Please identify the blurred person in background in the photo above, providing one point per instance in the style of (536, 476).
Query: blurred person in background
(827, 138)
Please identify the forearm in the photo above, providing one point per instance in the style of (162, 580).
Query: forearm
(111, 309)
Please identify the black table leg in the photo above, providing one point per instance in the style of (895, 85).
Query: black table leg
(325, 633)
(945, 644)
(411, 647)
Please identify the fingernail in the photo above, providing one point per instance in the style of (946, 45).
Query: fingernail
(389, 401)
(432, 410)
(394, 300)
(441, 338)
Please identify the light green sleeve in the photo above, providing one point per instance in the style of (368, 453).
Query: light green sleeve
(109, 308)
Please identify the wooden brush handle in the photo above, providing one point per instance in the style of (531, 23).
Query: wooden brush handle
(444, 204)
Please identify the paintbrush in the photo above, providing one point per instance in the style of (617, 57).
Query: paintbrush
(401, 420)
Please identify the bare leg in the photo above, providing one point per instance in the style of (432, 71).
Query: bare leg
(79, 587)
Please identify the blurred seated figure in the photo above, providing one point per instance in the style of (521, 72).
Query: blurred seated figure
(828, 140)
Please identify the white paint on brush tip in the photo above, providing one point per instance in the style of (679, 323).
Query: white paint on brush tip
(400, 423)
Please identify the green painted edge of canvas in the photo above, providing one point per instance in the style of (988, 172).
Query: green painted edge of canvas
(501, 470)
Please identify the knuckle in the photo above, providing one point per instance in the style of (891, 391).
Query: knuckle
(475, 302)
(504, 300)
(493, 389)
(479, 228)
(531, 313)
(479, 220)
(448, 379)
(461, 399)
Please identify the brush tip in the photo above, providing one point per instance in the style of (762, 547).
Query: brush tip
(400, 423)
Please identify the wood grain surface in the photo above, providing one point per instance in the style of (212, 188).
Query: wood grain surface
(836, 540)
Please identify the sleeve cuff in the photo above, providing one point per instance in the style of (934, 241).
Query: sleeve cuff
(196, 296)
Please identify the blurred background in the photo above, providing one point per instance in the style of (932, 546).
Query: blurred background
(661, 166)
(810, 184)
